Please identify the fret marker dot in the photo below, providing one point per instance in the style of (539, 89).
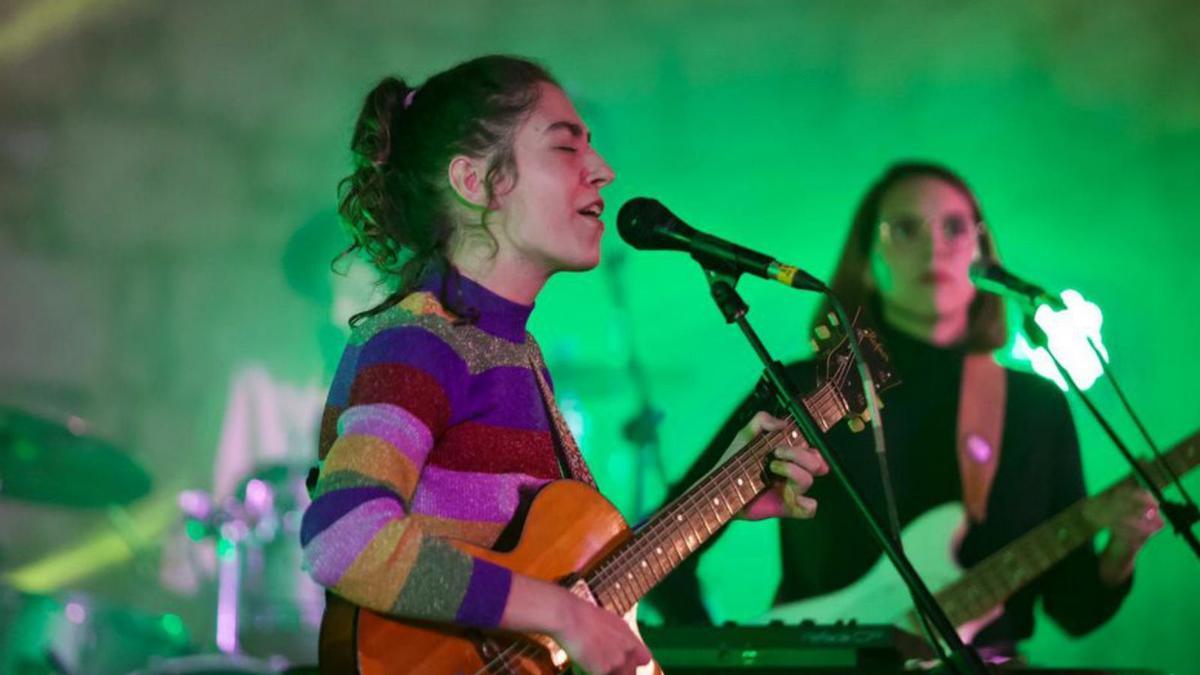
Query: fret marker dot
(795, 434)
(629, 574)
(739, 481)
(658, 550)
(644, 564)
(716, 501)
(679, 518)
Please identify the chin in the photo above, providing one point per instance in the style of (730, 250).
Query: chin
(581, 264)
(954, 300)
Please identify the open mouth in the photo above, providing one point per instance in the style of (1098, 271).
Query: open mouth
(593, 210)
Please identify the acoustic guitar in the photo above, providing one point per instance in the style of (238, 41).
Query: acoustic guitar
(574, 536)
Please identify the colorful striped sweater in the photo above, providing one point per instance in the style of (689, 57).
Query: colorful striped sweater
(434, 429)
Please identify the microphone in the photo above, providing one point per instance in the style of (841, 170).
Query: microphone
(990, 277)
(647, 225)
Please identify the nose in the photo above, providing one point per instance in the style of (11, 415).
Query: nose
(599, 173)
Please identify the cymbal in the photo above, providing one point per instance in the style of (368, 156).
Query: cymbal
(45, 462)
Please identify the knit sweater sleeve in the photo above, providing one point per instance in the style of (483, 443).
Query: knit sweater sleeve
(359, 535)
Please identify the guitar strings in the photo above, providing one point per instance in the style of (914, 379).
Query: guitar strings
(606, 571)
(513, 653)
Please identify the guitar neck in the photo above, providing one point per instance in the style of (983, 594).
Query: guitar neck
(682, 527)
(1002, 574)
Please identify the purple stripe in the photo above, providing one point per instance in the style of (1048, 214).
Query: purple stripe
(506, 396)
(393, 424)
(343, 379)
(328, 508)
(487, 594)
(418, 348)
(414, 346)
(467, 495)
(334, 550)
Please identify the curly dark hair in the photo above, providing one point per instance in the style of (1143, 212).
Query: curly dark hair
(396, 203)
(987, 327)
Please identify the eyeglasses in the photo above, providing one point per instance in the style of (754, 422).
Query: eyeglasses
(956, 231)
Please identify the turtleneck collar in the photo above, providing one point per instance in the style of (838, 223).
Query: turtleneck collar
(478, 305)
(913, 357)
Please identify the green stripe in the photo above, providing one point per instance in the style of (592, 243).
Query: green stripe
(340, 480)
(442, 574)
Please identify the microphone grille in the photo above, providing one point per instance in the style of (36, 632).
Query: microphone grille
(981, 269)
(646, 224)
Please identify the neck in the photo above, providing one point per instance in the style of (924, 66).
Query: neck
(500, 273)
(935, 328)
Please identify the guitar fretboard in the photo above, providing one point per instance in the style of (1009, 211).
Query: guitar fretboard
(680, 528)
(1002, 574)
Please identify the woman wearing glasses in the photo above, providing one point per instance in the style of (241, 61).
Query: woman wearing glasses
(958, 428)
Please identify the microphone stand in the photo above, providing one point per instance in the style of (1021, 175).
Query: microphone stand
(1181, 516)
(961, 659)
(642, 428)
(1189, 507)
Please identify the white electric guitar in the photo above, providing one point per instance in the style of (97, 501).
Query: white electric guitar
(975, 598)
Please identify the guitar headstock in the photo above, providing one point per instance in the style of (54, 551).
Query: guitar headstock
(841, 394)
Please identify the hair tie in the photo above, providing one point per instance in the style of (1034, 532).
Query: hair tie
(408, 98)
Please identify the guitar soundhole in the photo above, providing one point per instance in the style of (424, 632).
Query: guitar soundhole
(498, 658)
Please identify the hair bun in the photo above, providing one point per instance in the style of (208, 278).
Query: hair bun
(373, 143)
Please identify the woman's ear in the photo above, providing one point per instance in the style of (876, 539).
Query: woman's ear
(984, 242)
(466, 178)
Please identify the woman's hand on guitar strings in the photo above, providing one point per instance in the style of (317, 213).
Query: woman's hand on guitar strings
(793, 463)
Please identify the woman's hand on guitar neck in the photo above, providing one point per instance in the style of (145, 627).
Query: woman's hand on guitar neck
(598, 641)
(795, 464)
(1136, 520)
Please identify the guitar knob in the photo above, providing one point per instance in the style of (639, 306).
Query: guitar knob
(822, 332)
(833, 320)
(856, 425)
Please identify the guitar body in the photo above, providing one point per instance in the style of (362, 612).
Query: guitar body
(881, 596)
(568, 529)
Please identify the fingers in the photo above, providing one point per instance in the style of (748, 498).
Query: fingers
(637, 654)
(641, 655)
(798, 505)
(794, 461)
(1135, 501)
(803, 456)
(797, 476)
(1139, 528)
(1130, 533)
(762, 422)
(793, 448)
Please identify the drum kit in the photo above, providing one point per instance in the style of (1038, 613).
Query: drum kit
(266, 610)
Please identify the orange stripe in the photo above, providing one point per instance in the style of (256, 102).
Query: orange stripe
(472, 531)
(375, 457)
(377, 575)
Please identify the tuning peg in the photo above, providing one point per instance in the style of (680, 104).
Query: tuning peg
(856, 425)
(833, 320)
(822, 332)
(865, 416)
